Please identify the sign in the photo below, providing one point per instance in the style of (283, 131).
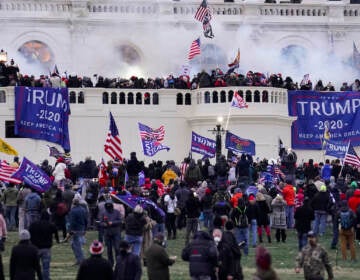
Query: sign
(335, 148)
(203, 145)
(32, 175)
(43, 113)
(316, 111)
(239, 145)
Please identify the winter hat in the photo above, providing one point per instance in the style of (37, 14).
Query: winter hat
(138, 209)
(229, 225)
(96, 248)
(263, 258)
(251, 197)
(24, 235)
(354, 185)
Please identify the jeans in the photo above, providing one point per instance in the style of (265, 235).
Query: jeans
(170, 225)
(302, 239)
(208, 219)
(253, 229)
(242, 234)
(159, 228)
(135, 241)
(21, 216)
(320, 222)
(112, 242)
(289, 216)
(45, 257)
(335, 230)
(191, 228)
(78, 240)
(31, 217)
(10, 212)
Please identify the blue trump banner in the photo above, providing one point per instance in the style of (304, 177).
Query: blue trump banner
(335, 148)
(337, 112)
(43, 113)
(203, 145)
(32, 175)
(239, 145)
(151, 139)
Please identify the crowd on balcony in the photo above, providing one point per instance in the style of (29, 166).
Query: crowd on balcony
(10, 76)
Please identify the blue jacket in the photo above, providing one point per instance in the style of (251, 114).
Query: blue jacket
(78, 219)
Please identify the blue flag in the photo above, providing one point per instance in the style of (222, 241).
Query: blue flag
(335, 148)
(151, 139)
(43, 113)
(203, 145)
(239, 145)
(32, 175)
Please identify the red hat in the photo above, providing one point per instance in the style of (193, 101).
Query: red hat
(251, 197)
(263, 258)
(208, 191)
(60, 159)
(96, 248)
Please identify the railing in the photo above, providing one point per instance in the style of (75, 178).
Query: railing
(36, 6)
(179, 97)
(293, 11)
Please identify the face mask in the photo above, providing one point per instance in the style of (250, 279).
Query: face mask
(217, 239)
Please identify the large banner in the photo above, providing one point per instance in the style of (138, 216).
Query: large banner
(32, 175)
(151, 139)
(239, 145)
(315, 111)
(203, 145)
(43, 113)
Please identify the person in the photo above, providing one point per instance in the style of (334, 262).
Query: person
(170, 202)
(95, 267)
(110, 221)
(202, 255)
(320, 204)
(22, 194)
(264, 271)
(347, 220)
(288, 193)
(252, 213)
(279, 217)
(78, 224)
(192, 209)
(42, 233)
(59, 210)
(3, 235)
(263, 218)
(128, 265)
(314, 259)
(304, 215)
(59, 172)
(24, 259)
(10, 201)
(32, 208)
(134, 226)
(158, 260)
(239, 218)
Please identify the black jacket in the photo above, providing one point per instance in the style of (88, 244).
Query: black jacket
(42, 232)
(128, 267)
(95, 268)
(24, 262)
(134, 224)
(303, 217)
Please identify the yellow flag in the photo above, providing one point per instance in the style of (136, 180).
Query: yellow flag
(7, 149)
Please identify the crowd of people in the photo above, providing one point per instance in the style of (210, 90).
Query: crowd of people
(10, 76)
(224, 209)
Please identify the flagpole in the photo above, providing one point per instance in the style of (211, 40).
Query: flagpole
(342, 166)
(228, 118)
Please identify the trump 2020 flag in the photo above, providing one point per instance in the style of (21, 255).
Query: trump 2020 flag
(238, 101)
(239, 145)
(335, 148)
(151, 139)
(32, 175)
(203, 145)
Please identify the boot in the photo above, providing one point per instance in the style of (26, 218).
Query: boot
(269, 238)
(283, 237)
(260, 238)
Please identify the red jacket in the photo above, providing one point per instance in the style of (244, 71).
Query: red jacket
(289, 195)
(354, 201)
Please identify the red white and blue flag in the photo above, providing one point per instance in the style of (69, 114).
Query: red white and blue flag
(351, 157)
(151, 139)
(113, 143)
(194, 49)
(202, 12)
(238, 101)
(6, 171)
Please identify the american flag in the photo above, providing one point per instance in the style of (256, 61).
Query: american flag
(148, 133)
(238, 101)
(194, 49)
(202, 12)
(6, 171)
(113, 143)
(351, 157)
(54, 152)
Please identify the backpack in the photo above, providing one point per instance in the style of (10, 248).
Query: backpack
(61, 209)
(242, 221)
(346, 220)
(211, 171)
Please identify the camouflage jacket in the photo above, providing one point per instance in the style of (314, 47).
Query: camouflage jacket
(314, 261)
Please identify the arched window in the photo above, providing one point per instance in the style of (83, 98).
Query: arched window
(248, 97)
(146, 98)
(230, 96)
(105, 98)
(113, 98)
(81, 98)
(122, 98)
(179, 99)
(256, 96)
(187, 98)
(72, 95)
(130, 98)
(215, 97)
(207, 97)
(223, 96)
(155, 98)
(2, 96)
(138, 98)
(265, 96)
(39, 54)
(241, 93)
